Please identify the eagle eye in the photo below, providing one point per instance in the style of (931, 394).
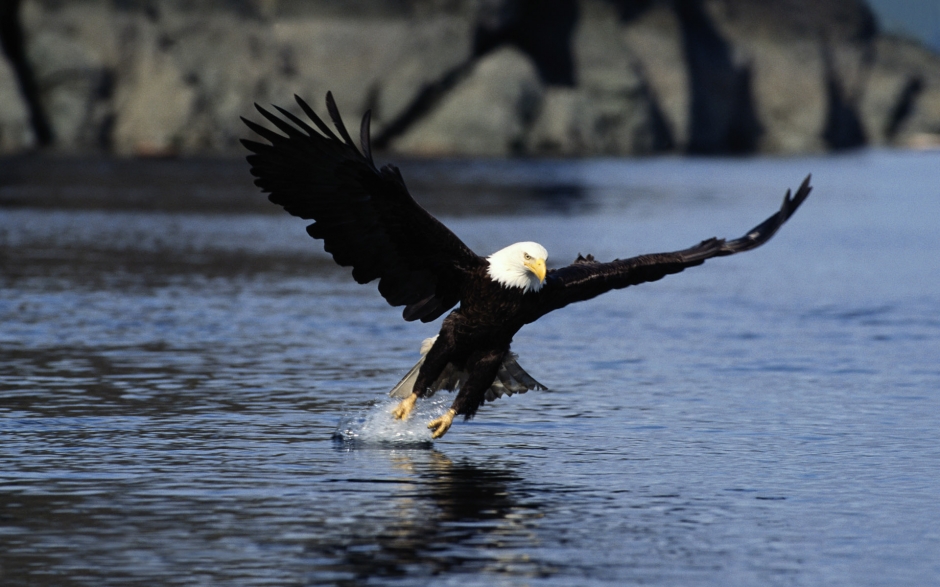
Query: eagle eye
(528, 257)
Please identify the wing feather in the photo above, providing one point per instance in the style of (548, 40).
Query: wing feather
(272, 136)
(290, 131)
(364, 138)
(365, 216)
(587, 278)
(338, 121)
(296, 120)
(316, 119)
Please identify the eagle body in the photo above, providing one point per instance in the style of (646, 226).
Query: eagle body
(477, 333)
(475, 339)
(368, 221)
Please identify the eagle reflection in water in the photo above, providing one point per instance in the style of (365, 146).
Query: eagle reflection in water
(443, 517)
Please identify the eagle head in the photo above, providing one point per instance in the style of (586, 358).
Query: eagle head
(520, 265)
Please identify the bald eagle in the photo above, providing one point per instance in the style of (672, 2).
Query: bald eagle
(368, 221)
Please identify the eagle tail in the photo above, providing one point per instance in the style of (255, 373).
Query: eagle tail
(510, 379)
(407, 383)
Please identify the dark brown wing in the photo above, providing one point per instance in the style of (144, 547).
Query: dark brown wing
(365, 216)
(586, 278)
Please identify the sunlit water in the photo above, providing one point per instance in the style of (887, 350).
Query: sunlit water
(190, 397)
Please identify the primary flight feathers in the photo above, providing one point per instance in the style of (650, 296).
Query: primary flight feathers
(365, 215)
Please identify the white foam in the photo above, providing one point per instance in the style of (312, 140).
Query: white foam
(375, 424)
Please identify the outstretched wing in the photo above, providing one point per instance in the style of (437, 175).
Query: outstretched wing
(365, 216)
(587, 278)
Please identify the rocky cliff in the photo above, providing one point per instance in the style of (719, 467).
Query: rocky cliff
(467, 77)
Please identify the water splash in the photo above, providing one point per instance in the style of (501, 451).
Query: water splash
(375, 424)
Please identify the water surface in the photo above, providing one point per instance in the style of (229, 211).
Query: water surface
(173, 371)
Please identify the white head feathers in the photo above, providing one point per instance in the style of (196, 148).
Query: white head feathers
(520, 265)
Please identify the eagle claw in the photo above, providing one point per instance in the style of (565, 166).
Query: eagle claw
(404, 408)
(441, 425)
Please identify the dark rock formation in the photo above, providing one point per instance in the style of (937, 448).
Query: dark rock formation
(14, 47)
(722, 118)
(541, 29)
(612, 109)
(843, 128)
(487, 114)
(901, 104)
(468, 77)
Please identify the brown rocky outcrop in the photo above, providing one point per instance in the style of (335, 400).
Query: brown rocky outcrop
(474, 77)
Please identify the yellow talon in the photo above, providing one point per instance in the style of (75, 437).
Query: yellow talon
(404, 408)
(441, 425)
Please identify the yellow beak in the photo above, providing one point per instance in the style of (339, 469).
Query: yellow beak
(537, 266)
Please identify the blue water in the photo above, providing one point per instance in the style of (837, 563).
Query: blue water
(171, 382)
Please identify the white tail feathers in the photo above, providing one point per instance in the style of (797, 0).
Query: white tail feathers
(510, 379)
(427, 343)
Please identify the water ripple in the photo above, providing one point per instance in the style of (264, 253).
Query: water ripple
(193, 398)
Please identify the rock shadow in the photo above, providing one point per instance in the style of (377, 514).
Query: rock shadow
(904, 106)
(542, 29)
(723, 117)
(843, 128)
(14, 47)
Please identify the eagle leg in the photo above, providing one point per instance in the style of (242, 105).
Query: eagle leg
(440, 426)
(404, 408)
